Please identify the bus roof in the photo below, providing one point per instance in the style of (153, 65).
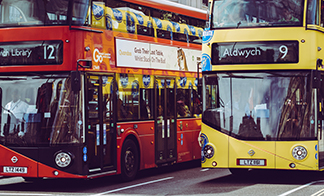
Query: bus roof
(173, 7)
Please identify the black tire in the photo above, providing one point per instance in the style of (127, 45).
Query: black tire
(239, 171)
(129, 160)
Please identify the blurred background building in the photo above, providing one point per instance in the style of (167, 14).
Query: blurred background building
(201, 4)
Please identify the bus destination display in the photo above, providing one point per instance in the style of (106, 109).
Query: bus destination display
(31, 53)
(255, 52)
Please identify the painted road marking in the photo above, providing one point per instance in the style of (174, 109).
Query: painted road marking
(204, 170)
(301, 187)
(25, 194)
(135, 185)
(318, 193)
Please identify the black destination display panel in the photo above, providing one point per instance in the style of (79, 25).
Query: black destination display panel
(255, 52)
(31, 53)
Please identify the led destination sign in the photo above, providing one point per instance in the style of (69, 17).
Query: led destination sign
(31, 53)
(255, 52)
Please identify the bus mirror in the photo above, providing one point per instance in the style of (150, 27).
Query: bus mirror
(211, 80)
(84, 63)
(316, 76)
(199, 85)
(75, 81)
(319, 63)
(207, 26)
(322, 107)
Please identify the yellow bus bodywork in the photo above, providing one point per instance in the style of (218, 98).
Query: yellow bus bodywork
(309, 43)
(278, 154)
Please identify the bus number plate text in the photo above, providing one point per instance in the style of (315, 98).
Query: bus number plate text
(16, 170)
(251, 162)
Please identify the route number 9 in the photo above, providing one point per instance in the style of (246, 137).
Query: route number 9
(283, 50)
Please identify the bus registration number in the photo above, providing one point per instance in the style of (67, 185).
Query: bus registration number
(253, 162)
(18, 170)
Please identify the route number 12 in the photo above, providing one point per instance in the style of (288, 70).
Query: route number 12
(50, 49)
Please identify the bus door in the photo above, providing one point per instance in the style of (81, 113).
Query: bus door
(101, 134)
(320, 126)
(165, 121)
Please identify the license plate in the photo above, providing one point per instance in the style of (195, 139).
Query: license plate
(252, 162)
(15, 170)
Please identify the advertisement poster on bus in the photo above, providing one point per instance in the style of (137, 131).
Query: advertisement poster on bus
(154, 56)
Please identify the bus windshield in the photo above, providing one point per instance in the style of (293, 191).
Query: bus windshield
(39, 110)
(40, 12)
(261, 106)
(256, 13)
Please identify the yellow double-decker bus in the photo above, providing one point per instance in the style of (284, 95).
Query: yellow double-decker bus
(263, 85)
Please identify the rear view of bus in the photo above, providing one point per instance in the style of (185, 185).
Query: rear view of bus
(263, 87)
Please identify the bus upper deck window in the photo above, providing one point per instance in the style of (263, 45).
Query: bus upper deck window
(38, 12)
(238, 14)
(322, 14)
(312, 12)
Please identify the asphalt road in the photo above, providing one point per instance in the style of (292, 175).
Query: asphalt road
(180, 179)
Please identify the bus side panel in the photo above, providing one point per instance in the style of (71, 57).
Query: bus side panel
(184, 146)
(187, 137)
(284, 151)
(144, 132)
(146, 135)
(256, 150)
(219, 142)
(147, 151)
(119, 148)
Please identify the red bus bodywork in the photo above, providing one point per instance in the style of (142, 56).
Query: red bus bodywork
(82, 43)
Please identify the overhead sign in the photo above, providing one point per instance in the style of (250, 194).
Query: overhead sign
(155, 56)
(255, 52)
(31, 53)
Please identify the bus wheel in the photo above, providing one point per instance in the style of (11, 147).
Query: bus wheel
(129, 160)
(239, 171)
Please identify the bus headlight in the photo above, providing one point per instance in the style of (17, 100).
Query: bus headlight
(299, 152)
(208, 151)
(63, 159)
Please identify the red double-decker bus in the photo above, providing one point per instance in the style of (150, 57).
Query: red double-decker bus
(96, 88)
